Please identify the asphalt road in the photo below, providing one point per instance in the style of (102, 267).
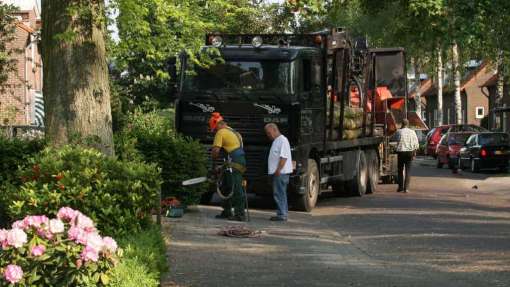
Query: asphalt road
(450, 230)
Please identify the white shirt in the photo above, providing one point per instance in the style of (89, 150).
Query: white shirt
(279, 149)
(407, 140)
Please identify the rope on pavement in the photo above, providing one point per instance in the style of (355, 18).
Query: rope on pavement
(239, 231)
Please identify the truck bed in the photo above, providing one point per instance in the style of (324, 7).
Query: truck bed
(354, 143)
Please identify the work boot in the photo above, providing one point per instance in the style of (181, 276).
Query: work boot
(237, 218)
(277, 218)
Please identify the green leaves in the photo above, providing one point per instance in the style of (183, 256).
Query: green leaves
(179, 158)
(107, 189)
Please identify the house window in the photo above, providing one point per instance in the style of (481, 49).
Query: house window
(480, 112)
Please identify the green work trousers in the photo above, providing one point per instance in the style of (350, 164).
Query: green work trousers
(233, 182)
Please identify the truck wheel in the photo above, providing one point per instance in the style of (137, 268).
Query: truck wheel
(373, 171)
(358, 185)
(307, 201)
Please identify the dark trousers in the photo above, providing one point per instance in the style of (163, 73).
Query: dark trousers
(233, 183)
(404, 164)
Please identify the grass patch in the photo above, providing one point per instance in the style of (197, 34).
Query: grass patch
(144, 259)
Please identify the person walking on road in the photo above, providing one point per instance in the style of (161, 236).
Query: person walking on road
(279, 167)
(233, 168)
(406, 151)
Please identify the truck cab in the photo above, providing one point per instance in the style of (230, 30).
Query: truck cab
(252, 87)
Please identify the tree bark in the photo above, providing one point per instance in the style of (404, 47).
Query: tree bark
(456, 80)
(501, 80)
(76, 85)
(500, 89)
(439, 87)
(417, 94)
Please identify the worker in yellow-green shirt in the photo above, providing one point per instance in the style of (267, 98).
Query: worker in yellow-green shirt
(231, 142)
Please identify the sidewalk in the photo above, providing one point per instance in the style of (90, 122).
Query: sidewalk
(295, 253)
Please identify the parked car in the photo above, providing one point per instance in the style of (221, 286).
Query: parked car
(486, 150)
(449, 147)
(435, 135)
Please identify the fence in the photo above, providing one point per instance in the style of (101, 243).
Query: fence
(24, 132)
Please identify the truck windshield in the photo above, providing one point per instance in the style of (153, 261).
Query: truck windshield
(247, 76)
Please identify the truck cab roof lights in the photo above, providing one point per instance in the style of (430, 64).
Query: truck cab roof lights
(306, 40)
(216, 41)
(257, 42)
(283, 42)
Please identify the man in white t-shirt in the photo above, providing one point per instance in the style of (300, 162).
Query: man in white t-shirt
(279, 167)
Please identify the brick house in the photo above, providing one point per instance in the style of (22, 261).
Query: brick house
(475, 104)
(21, 104)
(498, 116)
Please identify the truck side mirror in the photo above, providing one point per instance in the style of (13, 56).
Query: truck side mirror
(183, 59)
(172, 69)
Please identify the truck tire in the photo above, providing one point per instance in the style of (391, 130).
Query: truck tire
(307, 201)
(373, 171)
(358, 185)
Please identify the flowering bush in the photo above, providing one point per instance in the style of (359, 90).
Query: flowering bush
(63, 251)
(118, 195)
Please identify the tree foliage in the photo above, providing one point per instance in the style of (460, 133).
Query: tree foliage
(153, 32)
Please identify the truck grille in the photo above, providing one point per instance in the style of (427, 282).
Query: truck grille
(251, 127)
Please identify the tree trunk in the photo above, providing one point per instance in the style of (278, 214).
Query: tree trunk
(497, 123)
(439, 87)
(501, 80)
(76, 85)
(417, 95)
(456, 80)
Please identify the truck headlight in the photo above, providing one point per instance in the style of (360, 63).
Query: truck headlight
(257, 41)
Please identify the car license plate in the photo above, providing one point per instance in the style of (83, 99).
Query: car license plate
(498, 152)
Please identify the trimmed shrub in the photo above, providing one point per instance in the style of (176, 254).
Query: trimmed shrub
(118, 195)
(179, 158)
(14, 153)
(64, 251)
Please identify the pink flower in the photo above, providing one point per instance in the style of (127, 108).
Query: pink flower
(95, 241)
(36, 220)
(3, 235)
(13, 273)
(38, 250)
(110, 244)
(84, 222)
(78, 235)
(56, 226)
(44, 233)
(89, 254)
(20, 224)
(67, 214)
(16, 237)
